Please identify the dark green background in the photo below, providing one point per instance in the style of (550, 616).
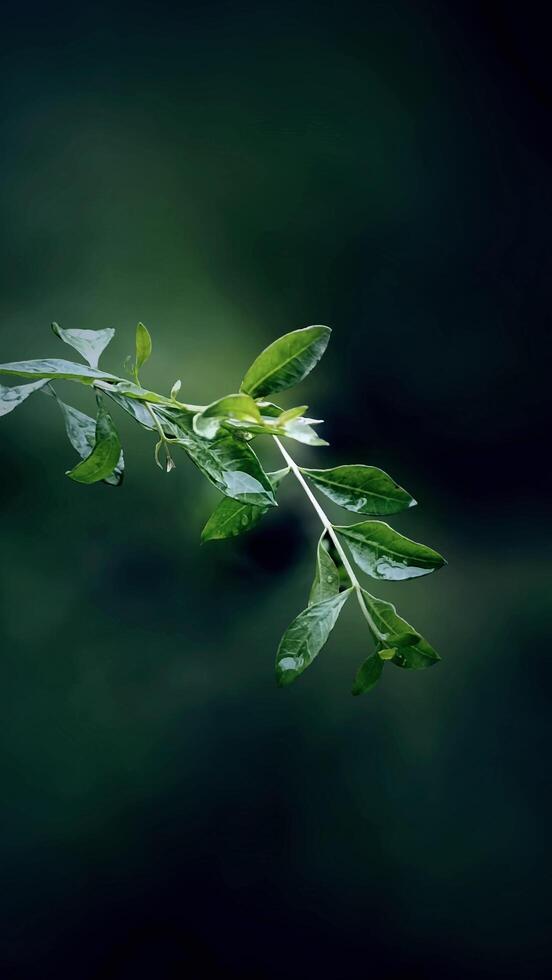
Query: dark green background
(225, 173)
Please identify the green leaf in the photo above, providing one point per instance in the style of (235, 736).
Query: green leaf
(81, 432)
(326, 577)
(229, 463)
(306, 636)
(10, 398)
(291, 414)
(239, 407)
(362, 489)
(53, 368)
(136, 409)
(385, 554)
(143, 345)
(230, 517)
(89, 343)
(105, 455)
(368, 674)
(386, 653)
(390, 630)
(301, 431)
(286, 361)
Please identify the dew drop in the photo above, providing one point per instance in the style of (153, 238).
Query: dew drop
(329, 579)
(245, 520)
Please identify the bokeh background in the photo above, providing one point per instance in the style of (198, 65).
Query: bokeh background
(226, 173)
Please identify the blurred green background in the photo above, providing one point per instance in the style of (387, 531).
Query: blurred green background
(227, 173)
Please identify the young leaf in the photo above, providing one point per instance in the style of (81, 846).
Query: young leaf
(176, 388)
(105, 455)
(143, 346)
(229, 463)
(368, 674)
(362, 489)
(286, 361)
(231, 518)
(10, 398)
(385, 554)
(53, 368)
(301, 431)
(89, 343)
(306, 636)
(393, 631)
(239, 407)
(326, 576)
(81, 432)
(291, 414)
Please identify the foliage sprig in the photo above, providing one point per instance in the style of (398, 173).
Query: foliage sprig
(217, 438)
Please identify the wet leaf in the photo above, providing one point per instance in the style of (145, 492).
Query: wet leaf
(103, 459)
(229, 463)
(385, 554)
(230, 517)
(89, 343)
(362, 489)
(81, 432)
(390, 630)
(306, 636)
(239, 407)
(326, 577)
(10, 398)
(54, 368)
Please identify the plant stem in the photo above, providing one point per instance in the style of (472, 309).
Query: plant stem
(164, 440)
(331, 533)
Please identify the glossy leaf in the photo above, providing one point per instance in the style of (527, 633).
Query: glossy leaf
(385, 554)
(326, 577)
(306, 636)
(143, 345)
(81, 432)
(89, 343)
(301, 431)
(239, 407)
(136, 409)
(229, 463)
(368, 674)
(10, 398)
(390, 630)
(291, 414)
(103, 459)
(230, 517)
(362, 489)
(54, 368)
(286, 361)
